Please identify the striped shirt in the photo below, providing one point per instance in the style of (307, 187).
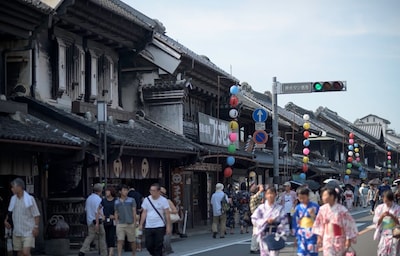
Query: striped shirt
(24, 217)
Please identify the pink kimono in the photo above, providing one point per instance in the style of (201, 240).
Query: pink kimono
(349, 199)
(335, 225)
(259, 217)
(387, 244)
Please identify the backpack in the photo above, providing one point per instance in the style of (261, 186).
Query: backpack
(224, 205)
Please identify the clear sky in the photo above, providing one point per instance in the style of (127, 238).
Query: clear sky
(298, 41)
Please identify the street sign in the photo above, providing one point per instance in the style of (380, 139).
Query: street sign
(259, 146)
(260, 137)
(293, 88)
(259, 126)
(260, 115)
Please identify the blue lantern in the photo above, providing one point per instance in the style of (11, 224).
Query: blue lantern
(389, 148)
(302, 176)
(355, 145)
(350, 147)
(230, 160)
(234, 89)
(306, 143)
(346, 177)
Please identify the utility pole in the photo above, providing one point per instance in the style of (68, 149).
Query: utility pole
(275, 132)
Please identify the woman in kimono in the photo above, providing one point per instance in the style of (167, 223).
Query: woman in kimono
(349, 198)
(334, 226)
(270, 213)
(302, 223)
(386, 218)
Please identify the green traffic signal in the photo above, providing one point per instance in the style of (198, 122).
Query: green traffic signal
(317, 87)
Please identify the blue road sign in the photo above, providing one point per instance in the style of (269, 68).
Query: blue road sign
(260, 137)
(260, 115)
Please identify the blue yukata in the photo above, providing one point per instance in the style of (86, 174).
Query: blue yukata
(302, 223)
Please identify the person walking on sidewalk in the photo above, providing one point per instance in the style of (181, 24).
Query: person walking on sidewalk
(219, 215)
(172, 210)
(94, 219)
(349, 198)
(256, 198)
(372, 197)
(364, 195)
(109, 221)
(125, 216)
(25, 216)
(288, 199)
(155, 212)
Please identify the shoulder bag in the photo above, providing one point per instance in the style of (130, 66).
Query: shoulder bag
(273, 240)
(159, 214)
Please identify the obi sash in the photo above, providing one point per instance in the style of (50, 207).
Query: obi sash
(306, 222)
(388, 223)
(335, 229)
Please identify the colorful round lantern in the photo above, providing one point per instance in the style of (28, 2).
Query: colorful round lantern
(233, 113)
(306, 151)
(233, 136)
(348, 171)
(350, 159)
(306, 117)
(233, 125)
(350, 153)
(389, 157)
(356, 150)
(306, 143)
(306, 126)
(389, 153)
(351, 135)
(234, 89)
(234, 101)
(306, 134)
(346, 177)
(302, 176)
(306, 159)
(351, 141)
(350, 147)
(230, 160)
(232, 148)
(349, 165)
(357, 154)
(356, 145)
(228, 172)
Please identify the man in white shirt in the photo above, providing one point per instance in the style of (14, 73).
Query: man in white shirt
(94, 214)
(155, 212)
(25, 216)
(288, 200)
(219, 216)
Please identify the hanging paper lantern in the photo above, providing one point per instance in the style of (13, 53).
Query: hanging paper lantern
(389, 148)
(389, 161)
(232, 148)
(350, 147)
(346, 177)
(233, 113)
(351, 135)
(350, 159)
(233, 136)
(306, 126)
(306, 143)
(348, 171)
(351, 141)
(355, 145)
(234, 89)
(389, 157)
(302, 176)
(233, 125)
(350, 153)
(306, 117)
(233, 101)
(305, 159)
(349, 165)
(389, 166)
(389, 170)
(389, 153)
(230, 160)
(306, 151)
(358, 159)
(356, 150)
(228, 172)
(305, 168)
(357, 154)
(306, 134)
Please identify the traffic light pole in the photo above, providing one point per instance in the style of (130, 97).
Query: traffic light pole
(275, 131)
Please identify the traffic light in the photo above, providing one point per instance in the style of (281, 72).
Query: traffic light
(329, 86)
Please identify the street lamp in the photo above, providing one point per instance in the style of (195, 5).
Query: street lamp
(102, 122)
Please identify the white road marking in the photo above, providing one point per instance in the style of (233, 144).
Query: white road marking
(216, 247)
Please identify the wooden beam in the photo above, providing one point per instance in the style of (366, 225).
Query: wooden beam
(25, 34)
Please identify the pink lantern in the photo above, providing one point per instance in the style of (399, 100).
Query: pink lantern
(389, 157)
(358, 159)
(233, 136)
(351, 141)
(306, 151)
(389, 153)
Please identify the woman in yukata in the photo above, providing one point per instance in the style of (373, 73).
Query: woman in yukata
(349, 197)
(334, 226)
(302, 223)
(270, 213)
(386, 218)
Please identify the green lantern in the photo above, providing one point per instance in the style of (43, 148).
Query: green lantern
(232, 148)
(349, 165)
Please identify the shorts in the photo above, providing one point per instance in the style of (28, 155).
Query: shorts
(20, 242)
(126, 230)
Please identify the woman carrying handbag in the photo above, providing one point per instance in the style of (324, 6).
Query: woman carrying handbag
(272, 224)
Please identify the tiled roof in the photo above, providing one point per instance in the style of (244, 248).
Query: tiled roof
(22, 127)
(38, 4)
(373, 129)
(143, 135)
(186, 51)
(126, 11)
